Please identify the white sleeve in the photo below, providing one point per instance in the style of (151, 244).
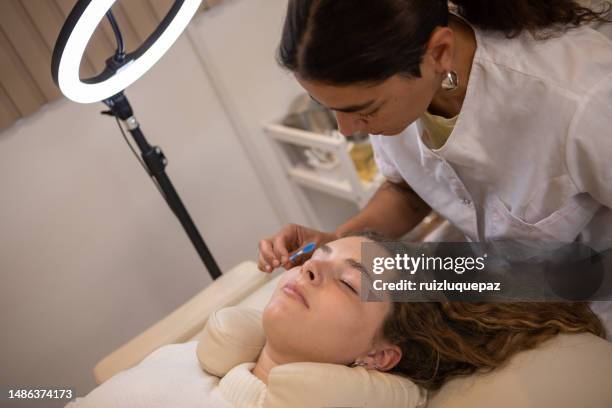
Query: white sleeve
(384, 163)
(589, 145)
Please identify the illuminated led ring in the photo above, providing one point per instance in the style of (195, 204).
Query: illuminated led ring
(78, 29)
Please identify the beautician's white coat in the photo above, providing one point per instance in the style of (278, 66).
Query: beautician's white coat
(530, 157)
(531, 154)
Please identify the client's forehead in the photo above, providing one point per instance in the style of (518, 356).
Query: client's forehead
(349, 247)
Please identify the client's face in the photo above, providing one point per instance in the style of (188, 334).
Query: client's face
(316, 313)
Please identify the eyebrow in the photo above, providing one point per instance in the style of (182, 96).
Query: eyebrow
(350, 262)
(325, 248)
(360, 267)
(348, 109)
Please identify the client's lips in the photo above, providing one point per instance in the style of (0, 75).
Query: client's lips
(296, 292)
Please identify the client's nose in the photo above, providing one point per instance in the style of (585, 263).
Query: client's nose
(312, 271)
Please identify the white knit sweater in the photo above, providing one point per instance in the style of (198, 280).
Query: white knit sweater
(241, 388)
(171, 377)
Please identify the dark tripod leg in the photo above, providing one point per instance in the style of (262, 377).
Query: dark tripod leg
(156, 162)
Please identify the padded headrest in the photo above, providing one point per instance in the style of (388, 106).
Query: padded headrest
(234, 335)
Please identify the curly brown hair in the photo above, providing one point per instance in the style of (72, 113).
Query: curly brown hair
(440, 341)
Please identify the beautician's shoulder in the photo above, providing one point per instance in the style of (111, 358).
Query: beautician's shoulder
(589, 145)
(573, 61)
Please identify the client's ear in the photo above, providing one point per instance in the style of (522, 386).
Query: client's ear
(385, 356)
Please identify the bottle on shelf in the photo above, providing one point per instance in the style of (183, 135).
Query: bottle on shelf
(363, 156)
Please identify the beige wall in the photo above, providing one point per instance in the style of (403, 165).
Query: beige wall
(237, 43)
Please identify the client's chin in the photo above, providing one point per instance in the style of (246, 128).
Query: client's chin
(282, 310)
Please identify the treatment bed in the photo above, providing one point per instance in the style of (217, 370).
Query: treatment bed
(535, 378)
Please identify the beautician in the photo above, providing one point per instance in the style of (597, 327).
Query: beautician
(497, 115)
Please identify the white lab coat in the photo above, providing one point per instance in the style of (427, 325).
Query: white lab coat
(530, 157)
(531, 154)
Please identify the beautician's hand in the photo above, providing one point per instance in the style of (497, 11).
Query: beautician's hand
(274, 251)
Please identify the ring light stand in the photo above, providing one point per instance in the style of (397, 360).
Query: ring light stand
(121, 71)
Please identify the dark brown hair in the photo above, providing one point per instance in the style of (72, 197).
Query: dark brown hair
(513, 17)
(440, 341)
(344, 42)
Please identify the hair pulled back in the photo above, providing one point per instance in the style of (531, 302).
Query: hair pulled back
(343, 42)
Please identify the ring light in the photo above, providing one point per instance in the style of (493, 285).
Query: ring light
(79, 28)
(120, 72)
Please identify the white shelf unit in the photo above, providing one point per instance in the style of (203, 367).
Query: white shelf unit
(342, 182)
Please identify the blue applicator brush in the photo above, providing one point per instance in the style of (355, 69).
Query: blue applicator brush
(304, 250)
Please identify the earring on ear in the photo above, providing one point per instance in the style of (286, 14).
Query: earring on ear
(364, 364)
(451, 82)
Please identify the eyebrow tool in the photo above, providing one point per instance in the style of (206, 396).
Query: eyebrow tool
(304, 250)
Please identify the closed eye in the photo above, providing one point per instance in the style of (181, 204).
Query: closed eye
(369, 115)
(372, 112)
(349, 286)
